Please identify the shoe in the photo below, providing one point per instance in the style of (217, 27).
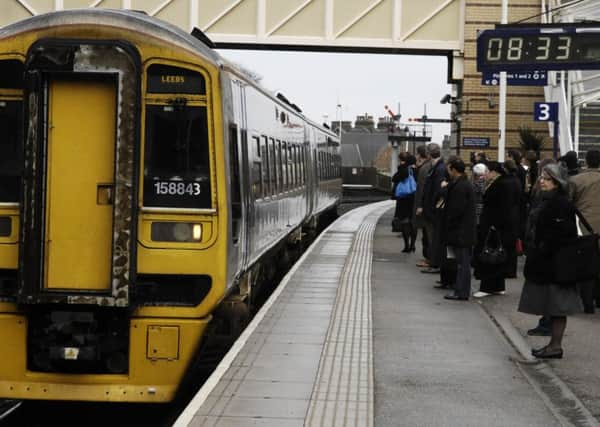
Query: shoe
(411, 249)
(442, 286)
(540, 332)
(547, 353)
(406, 250)
(431, 270)
(589, 309)
(453, 297)
(423, 264)
(480, 294)
(499, 293)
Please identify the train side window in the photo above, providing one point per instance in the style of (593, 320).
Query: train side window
(257, 171)
(11, 150)
(290, 167)
(176, 160)
(266, 167)
(236, 200)
(272, 166)
(284, 165)
(279, 155)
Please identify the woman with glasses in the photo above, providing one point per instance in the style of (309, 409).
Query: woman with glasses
(550, 224)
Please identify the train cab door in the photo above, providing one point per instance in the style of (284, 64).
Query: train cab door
(79, 182)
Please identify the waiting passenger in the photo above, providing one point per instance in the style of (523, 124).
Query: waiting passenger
(550, 224)
(458, 227)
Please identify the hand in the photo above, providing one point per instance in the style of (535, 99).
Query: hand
(444, 184)
(419, 211)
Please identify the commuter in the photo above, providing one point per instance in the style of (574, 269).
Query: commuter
(521, 172)
(404, 205)
(478, 181)
(458, 227)
(544, 323)
(550, 223)
(498, 225)
(448, 265)
(571, 162)
(586, 189)
(423, 167)
(431, 206)
(531, 158)
(517, 214)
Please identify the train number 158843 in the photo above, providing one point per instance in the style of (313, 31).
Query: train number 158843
(176, 188)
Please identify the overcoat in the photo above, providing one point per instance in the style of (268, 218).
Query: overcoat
(586, 196)
(458, 218)
(501, 201)
(555, 225)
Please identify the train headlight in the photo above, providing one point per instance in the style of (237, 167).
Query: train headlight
(175, 232)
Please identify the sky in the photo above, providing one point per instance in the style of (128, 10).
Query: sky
(361, 83)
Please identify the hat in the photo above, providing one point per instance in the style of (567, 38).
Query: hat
(559, 175)
(479, 169)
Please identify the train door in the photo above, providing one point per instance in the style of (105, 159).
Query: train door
(79, 221)
(240, 175)
(79, 184)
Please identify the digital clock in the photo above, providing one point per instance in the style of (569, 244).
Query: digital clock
(538, 48)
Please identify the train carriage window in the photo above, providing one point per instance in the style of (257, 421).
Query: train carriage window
(266, 167)
(176, 166)
(279, 163)
(272, 166)
(257, 171)
(290, 166)
(11, 150)
(284, 166)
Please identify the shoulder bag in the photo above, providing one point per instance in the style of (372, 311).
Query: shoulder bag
(407, 187)
(579, 259)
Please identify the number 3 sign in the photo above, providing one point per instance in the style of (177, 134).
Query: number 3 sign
(545, 111)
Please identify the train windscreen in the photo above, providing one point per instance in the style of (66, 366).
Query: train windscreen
(176, 171)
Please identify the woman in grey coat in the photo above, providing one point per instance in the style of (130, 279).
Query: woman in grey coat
(549, 226)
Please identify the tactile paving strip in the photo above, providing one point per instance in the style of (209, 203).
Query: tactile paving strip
(343, 392)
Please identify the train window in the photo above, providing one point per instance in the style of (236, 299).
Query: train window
(272, 166)
(11, 71)
(279, 163)
(176, 162)
(236, 200)
(257, 171)
(266, 167)
(169, 79)
(290, 166)
(284, 165)
(11, 150)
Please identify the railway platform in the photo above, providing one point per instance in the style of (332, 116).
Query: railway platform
(355, 335)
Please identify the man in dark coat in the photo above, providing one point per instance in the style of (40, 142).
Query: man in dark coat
(432, 192)
(458, 227)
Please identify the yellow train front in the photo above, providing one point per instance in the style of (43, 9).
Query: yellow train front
(142, 182)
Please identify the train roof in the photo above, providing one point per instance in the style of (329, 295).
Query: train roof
(133, 20)
(142, 23)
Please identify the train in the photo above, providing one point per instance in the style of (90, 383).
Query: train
(148, 189)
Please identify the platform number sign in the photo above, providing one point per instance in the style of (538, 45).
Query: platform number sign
(545, 111)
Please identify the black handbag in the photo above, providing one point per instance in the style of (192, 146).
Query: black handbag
(492, 255)
(579, 259)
